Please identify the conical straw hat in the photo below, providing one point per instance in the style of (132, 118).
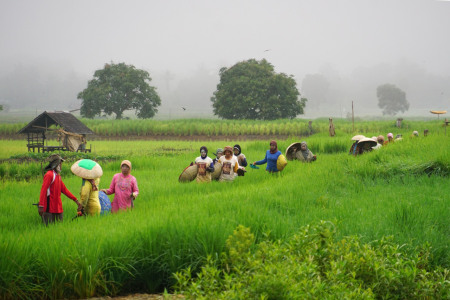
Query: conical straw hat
(87, 168)
(217, 170)
(188, 174)
(281, 162)
(290, 155)
(367, 140)
(357, 137)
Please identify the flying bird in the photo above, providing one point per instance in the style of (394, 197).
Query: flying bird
(184, 108)
(266, 50)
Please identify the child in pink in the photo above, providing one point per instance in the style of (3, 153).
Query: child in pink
(124, 187)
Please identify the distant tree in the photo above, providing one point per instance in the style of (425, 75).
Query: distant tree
(391, 99)
(119, 87)
(252, 90)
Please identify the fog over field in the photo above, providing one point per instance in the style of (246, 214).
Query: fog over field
(337, 51)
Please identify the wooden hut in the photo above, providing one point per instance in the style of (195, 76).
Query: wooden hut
(71, 132)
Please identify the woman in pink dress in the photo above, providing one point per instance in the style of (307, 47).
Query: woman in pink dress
(124, 187)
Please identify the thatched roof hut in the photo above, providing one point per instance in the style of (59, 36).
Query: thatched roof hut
(72, 131)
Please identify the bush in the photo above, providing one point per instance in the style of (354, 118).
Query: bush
(312, 264)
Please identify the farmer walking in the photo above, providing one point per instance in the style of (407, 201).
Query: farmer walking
(229, 163)
(124, 187)
(205, 166)
(90, 172)
(218, 154)
(304, 154)
(242, 160)
(50, 205)
(390, 137)
(271, 158)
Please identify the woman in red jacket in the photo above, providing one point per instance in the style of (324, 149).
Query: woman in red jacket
(50, 204)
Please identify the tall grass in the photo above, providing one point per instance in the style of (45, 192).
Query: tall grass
(401, 190)
(210, 127)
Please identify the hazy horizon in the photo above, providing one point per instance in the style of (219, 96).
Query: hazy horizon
(50, 49)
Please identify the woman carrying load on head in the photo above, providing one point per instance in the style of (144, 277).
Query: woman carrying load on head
(50, 205)
(124, 187)
(229, 164)
(205, 166)
(304, 154)
(89, 196)
(90, 172)
(270, 158)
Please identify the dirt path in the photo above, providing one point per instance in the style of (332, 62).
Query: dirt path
(141, 297)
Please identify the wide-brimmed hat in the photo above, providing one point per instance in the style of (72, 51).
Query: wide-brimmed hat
(189, 173)
(372, 142)
(53, 161)
(358, 137)
(217, 170)
(87, 168)
(281, 162)
(228, 148)
(54, 157)
(291, 149)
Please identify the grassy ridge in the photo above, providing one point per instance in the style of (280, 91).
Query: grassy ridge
(212, 128)
(401, 190)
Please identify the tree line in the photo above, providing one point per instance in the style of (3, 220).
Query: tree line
(249, 89)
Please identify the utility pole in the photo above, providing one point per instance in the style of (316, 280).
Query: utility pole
(353, 118)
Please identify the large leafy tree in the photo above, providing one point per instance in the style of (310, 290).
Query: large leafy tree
(252, 90)
(119, 87)
(391, 99)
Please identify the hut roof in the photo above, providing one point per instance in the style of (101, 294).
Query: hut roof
(65, 120)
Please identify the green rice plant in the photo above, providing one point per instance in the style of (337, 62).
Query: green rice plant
(175, 226)
(110, 128)
(2, 171)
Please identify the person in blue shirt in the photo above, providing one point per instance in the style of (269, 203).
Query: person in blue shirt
(271, 158)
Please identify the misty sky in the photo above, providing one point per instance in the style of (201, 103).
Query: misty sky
(181, 36)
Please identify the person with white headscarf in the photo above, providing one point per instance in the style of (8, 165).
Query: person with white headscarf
(304, 154)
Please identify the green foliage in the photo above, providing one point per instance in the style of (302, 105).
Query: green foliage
(314, 265)
(239, 243)
(119, 87)
(252, 90)
(391, 99)
(30, 165)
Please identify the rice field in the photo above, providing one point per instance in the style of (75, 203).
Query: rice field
(237, 128)
(401, 191)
